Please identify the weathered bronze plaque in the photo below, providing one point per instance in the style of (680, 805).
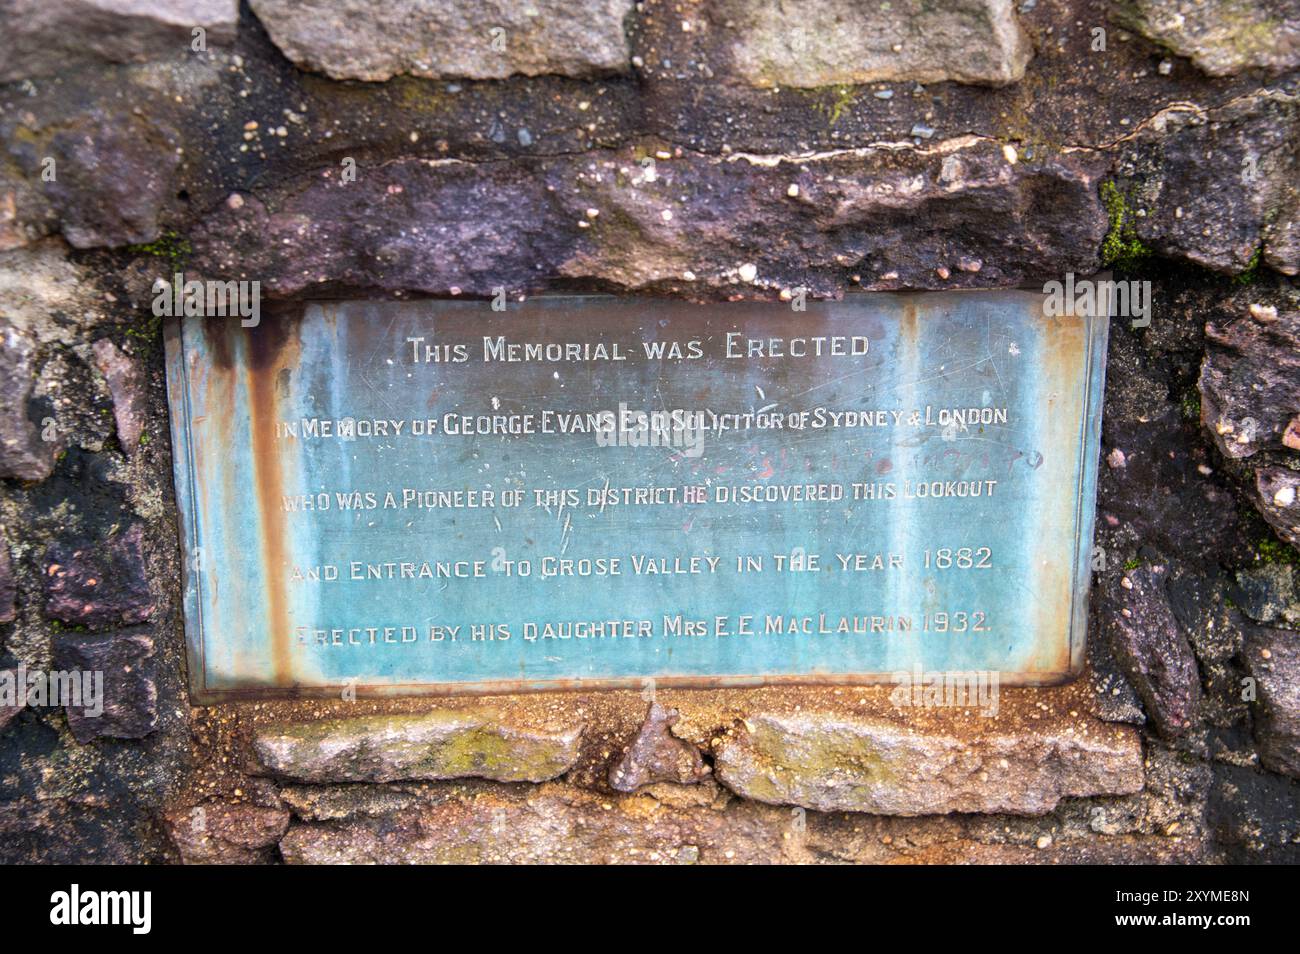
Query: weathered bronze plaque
(590, 491)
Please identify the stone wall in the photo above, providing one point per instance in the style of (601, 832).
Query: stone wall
(707, 150)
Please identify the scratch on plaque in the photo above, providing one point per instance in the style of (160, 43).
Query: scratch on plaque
(566, 535)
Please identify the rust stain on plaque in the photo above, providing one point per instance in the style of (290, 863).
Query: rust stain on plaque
(272, 350)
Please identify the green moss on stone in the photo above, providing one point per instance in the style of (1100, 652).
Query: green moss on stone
(440, 744)
(842, 98)
(171, 247)
(843, 101)
(1121, 248)
(1272, 550)
(813, 755)
(1251, 274)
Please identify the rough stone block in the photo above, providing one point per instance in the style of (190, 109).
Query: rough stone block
(1217, 187)
(222, 833)
(692, 221)
(474, 39)
(130, 694)
(126, 383)
(25, 213)
(1268, 593)
(23, 454)
(1250, 379)
(1224, 37)
(13, 696)
(8, 585)
(114, 177)
(827, 42)
(1152, 649)
(48, 37)
(436, 745)
(551, 824)
(656, 755)
(1272, 657)
(839, 763)
(99, 583)
(1276, 495)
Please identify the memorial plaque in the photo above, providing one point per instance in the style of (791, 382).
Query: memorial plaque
(595, 492)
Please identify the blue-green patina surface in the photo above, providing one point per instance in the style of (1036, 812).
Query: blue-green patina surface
(965, 454)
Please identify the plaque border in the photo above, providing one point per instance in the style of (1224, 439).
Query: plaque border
(1096, 332)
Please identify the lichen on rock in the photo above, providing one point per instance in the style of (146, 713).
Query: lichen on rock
(443, 744)
(835, 763)
(1222, 37)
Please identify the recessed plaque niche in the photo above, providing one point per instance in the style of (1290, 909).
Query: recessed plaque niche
(406, 497)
